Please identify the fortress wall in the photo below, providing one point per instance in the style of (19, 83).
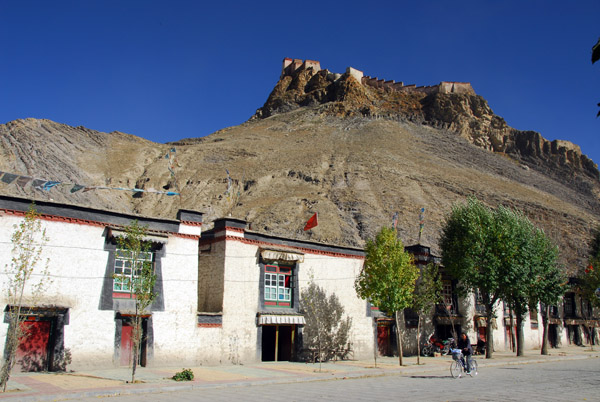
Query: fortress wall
(356, 74)
(315, 65)
(292, 65)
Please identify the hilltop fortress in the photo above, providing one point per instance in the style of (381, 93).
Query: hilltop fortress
(291, 66)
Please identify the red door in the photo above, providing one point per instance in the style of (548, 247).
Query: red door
(32, 353)
(383, 340)
(126, 344)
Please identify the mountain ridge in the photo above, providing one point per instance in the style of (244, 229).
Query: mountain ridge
(355, 168)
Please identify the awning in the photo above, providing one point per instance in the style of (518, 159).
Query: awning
(272, 254)
(151, 237)
(270, 319)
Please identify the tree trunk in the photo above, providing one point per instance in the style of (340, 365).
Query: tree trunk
(489, 342)
(545, 323)
(418, 340)
(512, 334)
(520, 337)
(376, 349)
(398, 338)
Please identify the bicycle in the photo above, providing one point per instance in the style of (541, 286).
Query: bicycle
(458, 366)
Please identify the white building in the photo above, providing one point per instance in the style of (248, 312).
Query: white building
(250, 285)
(229, 295)
(85, 309)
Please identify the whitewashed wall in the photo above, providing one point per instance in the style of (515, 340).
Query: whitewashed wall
(337, 275)
(76, 264)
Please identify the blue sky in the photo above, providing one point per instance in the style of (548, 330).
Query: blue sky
(167, 70)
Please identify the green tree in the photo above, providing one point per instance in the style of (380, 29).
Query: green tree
(500, 253)
(325, 329)
(141, 283)
(472, 247)
(388, 277)
(28, 241)
(548, 279)
(531, 265)
(428, 293)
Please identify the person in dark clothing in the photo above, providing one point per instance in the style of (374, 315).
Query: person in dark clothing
(464, 344)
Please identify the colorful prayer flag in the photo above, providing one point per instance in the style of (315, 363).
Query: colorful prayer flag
(23, 180)
(9, 178)
(49, 184)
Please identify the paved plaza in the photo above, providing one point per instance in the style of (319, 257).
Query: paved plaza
(571, 373)
(575, 380)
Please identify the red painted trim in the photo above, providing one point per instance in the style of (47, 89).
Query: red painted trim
(190, 223)
(56, 218)
(240, 230)
(291, 248)
(206, 325)
(123, 295)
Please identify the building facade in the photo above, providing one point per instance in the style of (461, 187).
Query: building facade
(86, 310)
(229, 295)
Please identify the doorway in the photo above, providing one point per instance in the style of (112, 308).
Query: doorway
(125, 342)
(42, 346)
(34, 352)
(384, 338)
(278, 342)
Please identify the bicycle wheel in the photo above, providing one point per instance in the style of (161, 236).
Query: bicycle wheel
(473, 367)
(456, 369)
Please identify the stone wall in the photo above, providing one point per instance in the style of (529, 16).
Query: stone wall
(292, 65)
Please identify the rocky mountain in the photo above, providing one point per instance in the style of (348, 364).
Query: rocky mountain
(353, 148)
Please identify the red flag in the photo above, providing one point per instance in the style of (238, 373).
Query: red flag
(311, 223)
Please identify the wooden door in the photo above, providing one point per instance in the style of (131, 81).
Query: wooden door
(126, 344)
(32, 353)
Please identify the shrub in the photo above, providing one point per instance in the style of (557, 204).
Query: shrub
(184, 375)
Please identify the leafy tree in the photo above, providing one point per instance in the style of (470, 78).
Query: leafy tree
(531, 259)
(388, 277)
(501, 253)
(28, 240)
(325, 330)
(140, 284)
(472, 249)
(548, 279)
(428, 292)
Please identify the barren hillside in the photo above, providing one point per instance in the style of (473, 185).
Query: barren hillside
(297, 157)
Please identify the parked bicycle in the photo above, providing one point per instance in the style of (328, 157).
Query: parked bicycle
(459, 365)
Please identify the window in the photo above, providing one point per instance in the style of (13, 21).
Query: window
(479, 306)
(125, 272)
(278, 285)
(569, 305)
(533, 317)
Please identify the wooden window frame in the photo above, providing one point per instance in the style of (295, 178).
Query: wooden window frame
(120, 266)
(278, 285)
